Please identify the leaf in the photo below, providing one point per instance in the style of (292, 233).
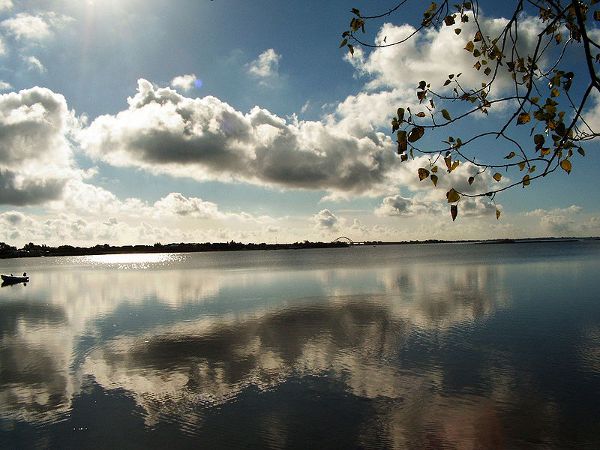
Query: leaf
(446, 114)
(395, 124)
(420, 114)
(449, 20)
(566, 165)
(470, 46)
(400, 115)
(343, 43)
(478, 37)
(434, 179)
(452, 195)
(448, 161)
(423, 173)
(498, 212)
(402, 145)
(487, 71)
(415, 134)
(356, 12)
(525, 180)
(545, 151)
(539, 140)
(581, 151)
(597, 15)
(523, 118)
(471, 179)
(403, 157)
(510, 155)
(457, 30)
(454, 165)
(351, 49)
(497, 176)
(453, 212)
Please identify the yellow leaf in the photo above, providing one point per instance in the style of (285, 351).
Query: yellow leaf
(566, 165)
(523, 118)
(497, 176)
(470, 46)
(525, 180)
(452, 195)
(522, 165)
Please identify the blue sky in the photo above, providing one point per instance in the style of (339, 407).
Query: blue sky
(130, 121)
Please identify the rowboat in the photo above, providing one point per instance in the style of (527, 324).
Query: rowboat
(12, 279)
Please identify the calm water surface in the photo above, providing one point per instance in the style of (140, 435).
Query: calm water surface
(415, 346)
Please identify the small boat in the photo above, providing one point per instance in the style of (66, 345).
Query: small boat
(12, 279)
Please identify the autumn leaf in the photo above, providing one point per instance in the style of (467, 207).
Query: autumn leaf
(434, 179)
(523, 118)
(423, 173)
(446, 114)
(453, 211)
(498, 212)
(565, 164)
(452, 195)
(497, 176)
(415, 134)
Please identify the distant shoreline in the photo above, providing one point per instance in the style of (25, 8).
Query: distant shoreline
(33, 250)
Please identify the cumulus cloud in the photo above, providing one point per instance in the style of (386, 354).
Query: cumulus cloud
(325, 220)
(206, 139)
(34, 28)
(266, 66)
(565, 221)
(184, 82)
(410, 207)
(35, 154)
(176, 203)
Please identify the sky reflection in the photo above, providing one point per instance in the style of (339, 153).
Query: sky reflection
(438, 351)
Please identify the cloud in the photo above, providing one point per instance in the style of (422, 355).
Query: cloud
(266, 66)
(184, 82)
(178, 204)
(5, 5)
(33, 64)
(206, 139)
(565, 221)
(34, 28)
(325, 220)
(35, 154)
(4, 86)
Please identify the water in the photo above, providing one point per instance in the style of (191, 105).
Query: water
(414, 346)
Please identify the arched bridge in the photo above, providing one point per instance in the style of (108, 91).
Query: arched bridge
(347, 240)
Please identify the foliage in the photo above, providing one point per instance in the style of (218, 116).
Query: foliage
(540, 94)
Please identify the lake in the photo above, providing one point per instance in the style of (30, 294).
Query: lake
(464, 346)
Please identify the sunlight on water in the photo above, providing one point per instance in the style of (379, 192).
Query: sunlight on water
(133, 260)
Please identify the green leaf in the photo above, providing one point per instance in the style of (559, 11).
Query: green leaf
(453, 212)
(415, 134)
(452, 195)
(497, 176)
(423, 173)
(446, 114)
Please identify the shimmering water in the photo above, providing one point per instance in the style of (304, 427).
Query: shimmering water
(414, 346)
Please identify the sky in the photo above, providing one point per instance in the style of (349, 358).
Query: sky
(136, 122)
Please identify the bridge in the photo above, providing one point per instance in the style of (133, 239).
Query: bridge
(347, 240)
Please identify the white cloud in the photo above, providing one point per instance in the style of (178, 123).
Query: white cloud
(325, 220)
(266, 66)
(4, 86)
(33, 64)
(34, 28)
(206, 139)
(35, 155)
(178, 204)
(5, 5)
(3, 49)
(184, 82)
